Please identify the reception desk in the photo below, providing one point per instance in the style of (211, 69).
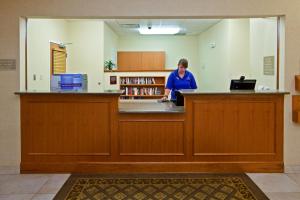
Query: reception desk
(219, 131)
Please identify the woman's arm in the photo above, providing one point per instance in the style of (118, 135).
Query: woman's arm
(193, 82)
(169, 87)
(167, 92)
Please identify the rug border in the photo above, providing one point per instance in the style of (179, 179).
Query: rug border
(256, 191)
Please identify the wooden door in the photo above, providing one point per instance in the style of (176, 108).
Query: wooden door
(58, 59)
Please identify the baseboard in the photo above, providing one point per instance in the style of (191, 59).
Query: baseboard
(4, 169)
(292, 169)
(219, 167)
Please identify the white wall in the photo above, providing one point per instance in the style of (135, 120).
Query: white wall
(40, 33)
(240, 47)
(230, 56)
(85, 54)
(263, 42)
(111, 40)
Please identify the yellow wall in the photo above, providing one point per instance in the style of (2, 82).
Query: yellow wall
(11, 11)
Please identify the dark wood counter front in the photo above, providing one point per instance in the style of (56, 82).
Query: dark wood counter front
(214, 133)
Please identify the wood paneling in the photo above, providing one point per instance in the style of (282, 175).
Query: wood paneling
(66, 126)
(153, 60)
(297, 83)
(125, 167)
(151, 137)
(129, 60)
(140, 60)
(234, 127)
(296, 108)
(86, 133)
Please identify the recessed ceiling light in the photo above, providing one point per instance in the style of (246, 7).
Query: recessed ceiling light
(159, 30)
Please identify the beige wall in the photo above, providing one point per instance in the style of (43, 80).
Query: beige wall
(11, 11)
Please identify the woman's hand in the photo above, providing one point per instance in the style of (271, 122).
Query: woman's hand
(166, 95)
(165, 98)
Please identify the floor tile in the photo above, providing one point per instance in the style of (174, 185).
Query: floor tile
(43, 197)
(283, 195)
(4, 177)
(54, 183)
(295, 177)
(16, 196)
(23, 184)
(274, 182)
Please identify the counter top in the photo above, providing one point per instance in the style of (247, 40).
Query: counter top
(94, 92)
(230, 92)
(148, 106)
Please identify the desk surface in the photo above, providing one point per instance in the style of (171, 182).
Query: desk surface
(148, 106)
(230, 92)
(184, 92)
(96, 92)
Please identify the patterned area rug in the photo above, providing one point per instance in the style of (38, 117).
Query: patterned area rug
(159, 187)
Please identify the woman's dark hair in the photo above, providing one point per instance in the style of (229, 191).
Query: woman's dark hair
(184, 62)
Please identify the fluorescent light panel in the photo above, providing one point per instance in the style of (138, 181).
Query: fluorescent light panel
(159, 30)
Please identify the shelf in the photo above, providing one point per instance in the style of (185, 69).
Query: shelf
(142, 85)
(164, 70)
(142, 95)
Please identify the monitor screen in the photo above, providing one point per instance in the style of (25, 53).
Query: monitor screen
(242, 84)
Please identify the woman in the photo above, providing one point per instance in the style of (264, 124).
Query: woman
(179, 79)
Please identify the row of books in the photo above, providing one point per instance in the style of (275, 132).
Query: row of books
(137, 80)
(133, 97)
(141, 91)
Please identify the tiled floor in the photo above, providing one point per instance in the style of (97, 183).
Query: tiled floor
(30, 186)
(45, 186)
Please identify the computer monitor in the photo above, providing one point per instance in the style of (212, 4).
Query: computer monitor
(242, 84)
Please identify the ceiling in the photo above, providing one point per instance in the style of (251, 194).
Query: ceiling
(129, 27)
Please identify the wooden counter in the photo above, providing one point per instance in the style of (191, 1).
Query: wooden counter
(214, 133)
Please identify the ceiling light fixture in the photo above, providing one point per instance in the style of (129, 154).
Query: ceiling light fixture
(159, 30)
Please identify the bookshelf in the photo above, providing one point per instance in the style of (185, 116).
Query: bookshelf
(142, 87)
